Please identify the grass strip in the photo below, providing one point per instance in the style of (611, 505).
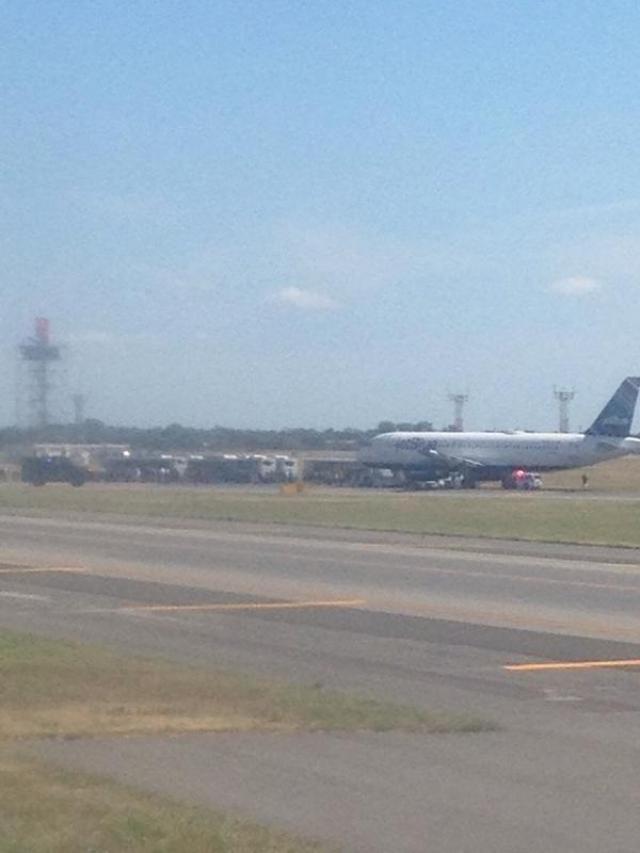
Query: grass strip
(524, 516)
(64, 689)
(43, 810)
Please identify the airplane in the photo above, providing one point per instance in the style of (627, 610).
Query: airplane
(500, 456)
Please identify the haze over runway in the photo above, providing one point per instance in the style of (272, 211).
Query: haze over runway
(425, 620)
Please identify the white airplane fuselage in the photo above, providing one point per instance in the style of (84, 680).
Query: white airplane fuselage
(493, 451)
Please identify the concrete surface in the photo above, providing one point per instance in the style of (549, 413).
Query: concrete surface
(415, 619)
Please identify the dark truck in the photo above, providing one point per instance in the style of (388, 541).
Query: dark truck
(39, 470)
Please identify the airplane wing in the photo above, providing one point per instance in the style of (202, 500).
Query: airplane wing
(429, 451)
(455, 460)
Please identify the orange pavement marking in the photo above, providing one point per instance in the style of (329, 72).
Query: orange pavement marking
(585, 664)
(280, 605)
(24, 570)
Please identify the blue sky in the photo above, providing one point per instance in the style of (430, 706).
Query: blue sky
(323, 213)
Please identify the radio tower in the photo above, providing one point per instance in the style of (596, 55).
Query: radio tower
(38, 355)
(564, 397)
(458, 401)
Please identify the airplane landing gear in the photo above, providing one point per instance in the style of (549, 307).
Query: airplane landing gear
(469, 481)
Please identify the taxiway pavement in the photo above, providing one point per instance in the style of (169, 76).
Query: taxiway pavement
(427, 620)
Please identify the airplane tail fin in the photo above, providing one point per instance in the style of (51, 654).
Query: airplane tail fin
(617, 416)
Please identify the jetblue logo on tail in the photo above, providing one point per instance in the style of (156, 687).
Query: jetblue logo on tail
(617, 416)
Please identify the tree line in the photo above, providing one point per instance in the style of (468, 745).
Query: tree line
(217, 438)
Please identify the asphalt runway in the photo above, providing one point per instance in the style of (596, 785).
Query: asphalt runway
(537, 638)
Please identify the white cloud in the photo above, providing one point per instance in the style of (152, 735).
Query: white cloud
(578, 285)
(332, 265)
(612, 255)
(307, 300)
(348, 261)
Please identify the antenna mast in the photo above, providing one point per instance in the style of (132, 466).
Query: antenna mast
(38, 354)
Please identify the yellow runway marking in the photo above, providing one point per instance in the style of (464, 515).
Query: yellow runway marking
(271, 605)
(25, 570)
(583, 664)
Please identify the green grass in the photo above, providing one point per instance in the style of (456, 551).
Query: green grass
(43, 810)
(63, 689)
(57, 688)
(617, 475)
(529, 516)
